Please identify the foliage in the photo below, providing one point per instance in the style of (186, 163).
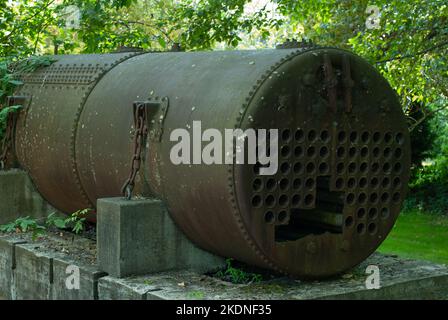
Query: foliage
(103, 27)
(429, 188)
(237, 275)
(11, 69)
(10, 72)
(107, 25)
(409, 47)
(75, 222)
(53, 220)
(23, 25)
(207, 22)
(7, 81)
(422, 137)
(25, 224)
(428, 185)
(4, 117)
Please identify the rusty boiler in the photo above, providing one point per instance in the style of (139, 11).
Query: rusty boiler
(343, 148)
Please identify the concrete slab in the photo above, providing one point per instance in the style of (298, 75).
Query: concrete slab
(399, 279)
(40, 272)
(139, 237)
(110, 288)
(19, 197)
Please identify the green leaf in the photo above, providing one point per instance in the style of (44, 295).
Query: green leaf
(60, 223)
(15, 82)
(162, 42)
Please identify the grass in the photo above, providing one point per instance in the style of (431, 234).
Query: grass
(419, 235)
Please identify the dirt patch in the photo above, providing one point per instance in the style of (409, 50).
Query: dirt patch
(73, 246)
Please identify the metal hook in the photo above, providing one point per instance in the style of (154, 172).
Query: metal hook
(128, 192)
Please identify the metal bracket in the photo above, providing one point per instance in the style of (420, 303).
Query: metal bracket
(156, 110)
(16, 100)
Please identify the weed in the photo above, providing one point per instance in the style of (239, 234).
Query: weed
(24, 224)
(198, 295)
(56, 221)
(237, 275)
(75, 222)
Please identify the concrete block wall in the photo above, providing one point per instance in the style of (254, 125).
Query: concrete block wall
(34, 274)
(7, 265)
(32, 271)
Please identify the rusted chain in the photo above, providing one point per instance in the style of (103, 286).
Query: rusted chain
(141, 131)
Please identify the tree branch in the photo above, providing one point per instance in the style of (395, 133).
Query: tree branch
(126, 23)
(419, 121)
(45, 7)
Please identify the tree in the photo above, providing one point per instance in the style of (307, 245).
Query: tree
(408, 41)
(23, 25)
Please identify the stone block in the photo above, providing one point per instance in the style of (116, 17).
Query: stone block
(65, 283)
(33, 275)
(7, 264)
(139, 237)
(5, 268)
(110, 288)
(19, 198)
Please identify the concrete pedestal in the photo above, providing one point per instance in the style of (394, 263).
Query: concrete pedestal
(139, 237)
(19, 198)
